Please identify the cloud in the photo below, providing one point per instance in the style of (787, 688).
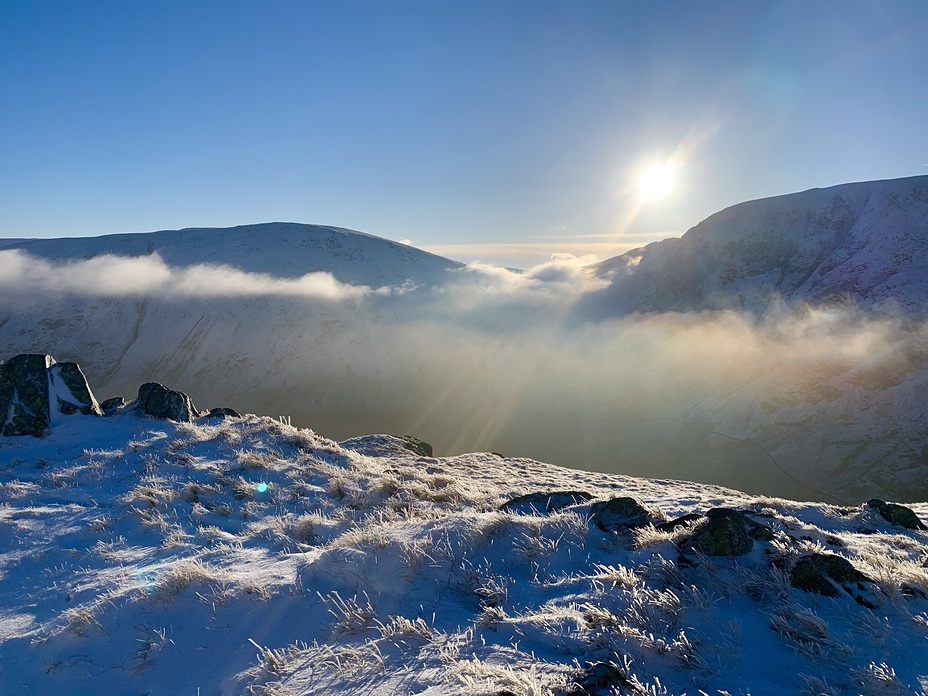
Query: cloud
(500, 360)
(120, 276)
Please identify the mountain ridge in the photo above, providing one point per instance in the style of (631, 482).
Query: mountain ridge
(865, 243)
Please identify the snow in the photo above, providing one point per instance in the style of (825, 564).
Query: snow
(140, 556)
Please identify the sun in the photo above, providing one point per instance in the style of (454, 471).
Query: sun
(656, 182)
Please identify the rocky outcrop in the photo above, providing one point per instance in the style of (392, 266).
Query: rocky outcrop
(897, 514)
(544, 503)
(223, 412)
(621, 513)
(726, 532)
(160, 402)
(35, 390)
(829, 575)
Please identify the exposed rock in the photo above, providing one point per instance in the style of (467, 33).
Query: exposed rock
(620, 513)
(72, 391)
(160, 402)
(726, 532)
(414, 444)
(27, 408)
(897, 514)
(544, 503)
(679, 522)
(223, 412)
(829, 575)
(110, 406)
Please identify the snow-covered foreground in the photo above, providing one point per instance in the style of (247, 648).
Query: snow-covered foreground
(246, 556)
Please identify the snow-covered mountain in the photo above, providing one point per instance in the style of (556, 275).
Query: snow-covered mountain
(282, 249)
(862, 243)
(841, 425)
(351, 334)
(254, 341)
(234, 556)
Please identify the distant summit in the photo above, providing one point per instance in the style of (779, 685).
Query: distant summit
(864, 244)
(281, 249)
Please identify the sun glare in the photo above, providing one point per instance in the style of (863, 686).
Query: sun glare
(656, 182)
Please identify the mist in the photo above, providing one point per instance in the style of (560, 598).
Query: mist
(795, 404)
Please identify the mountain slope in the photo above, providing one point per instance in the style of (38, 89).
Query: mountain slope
(244, 556)
(863, 243)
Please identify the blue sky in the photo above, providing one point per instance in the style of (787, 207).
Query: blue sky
(501, 131)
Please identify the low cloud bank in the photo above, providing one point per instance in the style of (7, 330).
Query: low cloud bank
(139, 276)
(496, 360)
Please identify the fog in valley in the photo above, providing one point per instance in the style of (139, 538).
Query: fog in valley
(495, 360)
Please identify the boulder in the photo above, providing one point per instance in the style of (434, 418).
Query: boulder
(620, 513)
(72, 393)
(829, 575)
(679, 522)
(897, 514)
(726, 532)
(223, 412)
(544, 503)
(414, 444)
(25, 395)
(160, 402)
(110, 406)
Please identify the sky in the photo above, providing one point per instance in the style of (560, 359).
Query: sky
(483, 130)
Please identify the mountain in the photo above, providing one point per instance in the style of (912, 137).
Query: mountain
(231, 556)
(864, 244)
(778, 347)
(282, 249)
(838, 416)
(266, 339)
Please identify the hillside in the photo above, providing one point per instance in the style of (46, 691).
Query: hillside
(864, 244)
(242, 555)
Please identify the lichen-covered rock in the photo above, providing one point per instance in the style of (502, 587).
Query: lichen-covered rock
(726, 532)
(414, 444)
(27, 407)
(620, 513)
(71, 390)
(223, 412)
(544, 503)
(160, 402)
(110, 406)
(897, 514)
(829, 575)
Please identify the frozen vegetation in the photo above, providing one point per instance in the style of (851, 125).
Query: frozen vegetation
(247, 556)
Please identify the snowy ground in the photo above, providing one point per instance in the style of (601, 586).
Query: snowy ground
(249, 557)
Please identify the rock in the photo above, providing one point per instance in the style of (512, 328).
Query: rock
(620, 513)
(26, 392)
(829, 575)
(110, 406)
(897, 514)
(604, 679)
(223, 412)
(544, 503)
(726, 532)
(72, 392)
(160, 402)
(679, 522)
(414, 444)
